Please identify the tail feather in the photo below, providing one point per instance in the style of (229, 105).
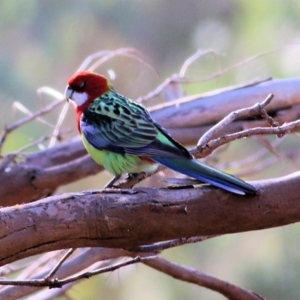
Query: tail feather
(206, 174)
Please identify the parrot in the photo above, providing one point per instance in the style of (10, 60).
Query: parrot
(121, 135)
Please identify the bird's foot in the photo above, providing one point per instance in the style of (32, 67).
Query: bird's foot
(131, 180)
(110, 184)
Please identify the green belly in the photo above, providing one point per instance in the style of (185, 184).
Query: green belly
(118, 164)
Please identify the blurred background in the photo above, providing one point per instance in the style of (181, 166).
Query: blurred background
(43, 42)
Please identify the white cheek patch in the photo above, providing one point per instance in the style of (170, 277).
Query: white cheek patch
(79, 98)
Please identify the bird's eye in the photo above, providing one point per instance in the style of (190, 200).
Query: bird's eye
(82, 85)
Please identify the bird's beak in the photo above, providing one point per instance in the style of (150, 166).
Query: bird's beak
(68, 93)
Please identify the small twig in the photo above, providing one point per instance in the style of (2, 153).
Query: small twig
(262, 165)
(35, 267)
(25, 120)
(59, 264)
(176, 78)
(238, 64)
(279, 131)
(251, 159)
(92, 57)
(193, 58)
(160, 246)
(32, 144)
(60, 120)
(21, 107)
(127, 52)
(102, 56)
(85, 258)
(47, 294)
(268, 118)
(256, 109)
(263, 141)
(56, 283)
(229, 290)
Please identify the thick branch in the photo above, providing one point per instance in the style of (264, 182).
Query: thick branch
(213, 106)
(26, 183)
(105, 218)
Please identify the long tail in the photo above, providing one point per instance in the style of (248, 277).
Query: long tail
(206, 174)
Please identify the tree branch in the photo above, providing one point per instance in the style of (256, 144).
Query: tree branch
(177, 271)
(256, 109)
(58, 283)
(214, 106)
(72, 266)
(94, 219)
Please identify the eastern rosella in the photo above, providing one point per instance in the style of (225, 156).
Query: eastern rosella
(122, 136)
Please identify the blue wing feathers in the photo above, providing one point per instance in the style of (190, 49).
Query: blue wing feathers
(207, 174)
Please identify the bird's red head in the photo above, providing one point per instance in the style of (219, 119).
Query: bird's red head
(84, 87)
